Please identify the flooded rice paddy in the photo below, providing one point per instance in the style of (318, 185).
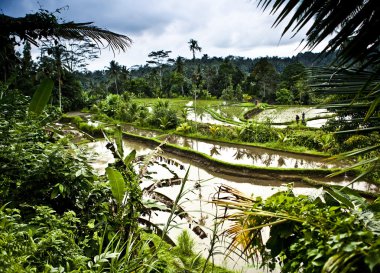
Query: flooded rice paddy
(200, 188)
(261, 157)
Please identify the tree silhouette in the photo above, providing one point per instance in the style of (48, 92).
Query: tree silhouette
(193, 44)
(45, 25)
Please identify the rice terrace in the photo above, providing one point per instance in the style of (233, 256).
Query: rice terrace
(203, 136)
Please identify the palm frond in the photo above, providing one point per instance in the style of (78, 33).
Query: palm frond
(34, 27)
(354, 26)
(247, 222)
(357, 96)
(86, 30)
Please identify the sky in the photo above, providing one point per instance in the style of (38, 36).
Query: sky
(221, 27)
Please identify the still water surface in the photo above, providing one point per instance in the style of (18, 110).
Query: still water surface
(196, 200)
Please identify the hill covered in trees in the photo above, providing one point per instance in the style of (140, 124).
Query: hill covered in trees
(227, 78)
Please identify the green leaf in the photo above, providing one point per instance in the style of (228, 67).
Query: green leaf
(130, 157)
(153, 204)
(91, 223)
(119, 140)
(41, 96)
(372, 108)
(54, 193)
(340, 197)
(117, 184)
(61, 188)
(372, 260)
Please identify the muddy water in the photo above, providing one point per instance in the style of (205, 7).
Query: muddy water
(200, 187)
(141, 132)
(286, 115)
(205, 117)
(239, 154)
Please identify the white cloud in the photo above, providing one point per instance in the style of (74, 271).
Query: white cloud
(221, 27)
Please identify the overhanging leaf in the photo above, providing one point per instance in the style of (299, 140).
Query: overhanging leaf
(130, 157)
(340, 197)
(41, 96)
(119, 140)
(117, 184)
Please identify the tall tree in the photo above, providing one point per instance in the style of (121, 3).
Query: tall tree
(159, 58)
(77, 54)
(294, 78)
(113, 72)
(265, 79)
(193, 45)
(179, 73)
(25, 81)
(227, 74)
(55, 51)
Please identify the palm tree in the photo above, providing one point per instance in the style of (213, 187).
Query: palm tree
(44, 25)
(353, 30)
(179, 69)
(193, 44)
(353, 25)
(113, 71)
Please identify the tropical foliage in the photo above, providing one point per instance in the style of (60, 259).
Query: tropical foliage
(336, 230)
(333, 231)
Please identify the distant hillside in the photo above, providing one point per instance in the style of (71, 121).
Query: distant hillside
(309, 59)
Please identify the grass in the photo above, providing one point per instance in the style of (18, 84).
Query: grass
(179, 103)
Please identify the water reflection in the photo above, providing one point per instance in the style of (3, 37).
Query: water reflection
(214, 150)
(200, 187)
(281, 162)
(251, 155)
(136, 131)
(239, 154)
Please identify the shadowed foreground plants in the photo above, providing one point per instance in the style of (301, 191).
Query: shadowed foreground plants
(336, 231)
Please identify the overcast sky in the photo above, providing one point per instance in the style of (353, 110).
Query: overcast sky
(221, 27)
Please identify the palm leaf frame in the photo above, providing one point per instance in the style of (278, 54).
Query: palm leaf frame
(352, 29)
(45, 25)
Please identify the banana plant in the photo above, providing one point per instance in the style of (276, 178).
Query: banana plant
(41, 96)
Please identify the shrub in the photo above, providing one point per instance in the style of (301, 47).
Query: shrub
(184, 128)
(163, 116)
(335, 231)
(308, 139)
(46, 241)
(359, 141)
(185, 244)
(284, 96)
(255, 132)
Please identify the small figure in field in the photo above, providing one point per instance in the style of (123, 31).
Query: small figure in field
(256, 102)
(303, 118)
(297, 118)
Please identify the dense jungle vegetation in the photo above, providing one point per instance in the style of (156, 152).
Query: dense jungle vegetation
(58, 215)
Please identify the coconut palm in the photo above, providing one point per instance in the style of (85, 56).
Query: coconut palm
(113, 71)
(353, 30)
(352, 27)
(40, 25)
(193, 44)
